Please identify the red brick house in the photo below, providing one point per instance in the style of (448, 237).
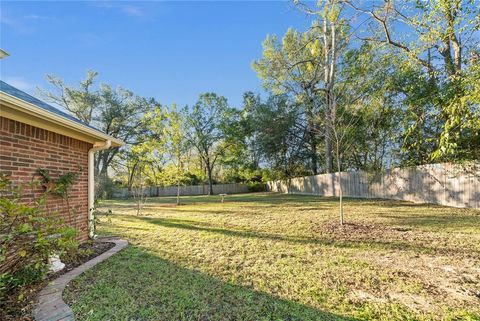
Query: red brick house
(36, 135)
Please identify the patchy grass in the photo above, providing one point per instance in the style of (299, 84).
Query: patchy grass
(284, 257)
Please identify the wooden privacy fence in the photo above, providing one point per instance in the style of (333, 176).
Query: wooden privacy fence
(444, 184)
(184, 190)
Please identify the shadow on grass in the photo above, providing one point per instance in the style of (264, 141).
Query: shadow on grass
(137, 285)
(453, 221)
(272, 199)
(262, 198)
(328, 241)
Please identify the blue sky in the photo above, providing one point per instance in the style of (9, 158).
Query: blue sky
(172, 51)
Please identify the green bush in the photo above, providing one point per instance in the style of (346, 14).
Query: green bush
(256, 187)
(105, 187)
(29, 234)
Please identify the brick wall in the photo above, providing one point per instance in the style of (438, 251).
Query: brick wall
(24, 149)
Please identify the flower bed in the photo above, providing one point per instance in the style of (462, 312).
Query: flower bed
(14, 309)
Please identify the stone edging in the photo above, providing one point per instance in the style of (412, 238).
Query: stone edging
(50, 306)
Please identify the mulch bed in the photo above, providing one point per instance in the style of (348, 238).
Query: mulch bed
(13, 309)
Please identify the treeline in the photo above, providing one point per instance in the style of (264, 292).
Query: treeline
(367, 86)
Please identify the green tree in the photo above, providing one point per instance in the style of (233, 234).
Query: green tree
(281, 145)
(117, 112)
(208, 122)
(352, 85)
(293, 66)
(176, 142)
(305, 65)
(241, 159)
(436, 69)
(367, 81)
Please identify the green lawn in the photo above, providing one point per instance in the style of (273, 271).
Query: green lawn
(284, 257)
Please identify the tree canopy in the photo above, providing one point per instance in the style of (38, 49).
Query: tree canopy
(368, 85)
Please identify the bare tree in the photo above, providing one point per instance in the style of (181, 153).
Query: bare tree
(139, 192)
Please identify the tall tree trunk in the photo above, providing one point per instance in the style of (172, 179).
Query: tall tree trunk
(210, 179)
(328, 149)
(328, 133)
(450, 41)
(330, 59)
(312, 138)
(314, 157)
(178, 192)
(130, 176)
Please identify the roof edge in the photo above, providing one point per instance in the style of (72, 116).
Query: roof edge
(52, 117)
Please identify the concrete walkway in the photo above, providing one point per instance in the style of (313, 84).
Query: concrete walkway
(50, 306)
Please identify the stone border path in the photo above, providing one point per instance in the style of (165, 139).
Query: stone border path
(51, 306)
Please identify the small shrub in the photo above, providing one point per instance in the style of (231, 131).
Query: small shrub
(76, 256)
(61, 185)
(28, 236)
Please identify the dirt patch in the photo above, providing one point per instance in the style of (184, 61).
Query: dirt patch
(20, 310)
(396, 238)
(440, 266)
(357, 228)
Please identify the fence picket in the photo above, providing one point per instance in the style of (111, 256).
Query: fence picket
(444, 184)
(185, 190)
